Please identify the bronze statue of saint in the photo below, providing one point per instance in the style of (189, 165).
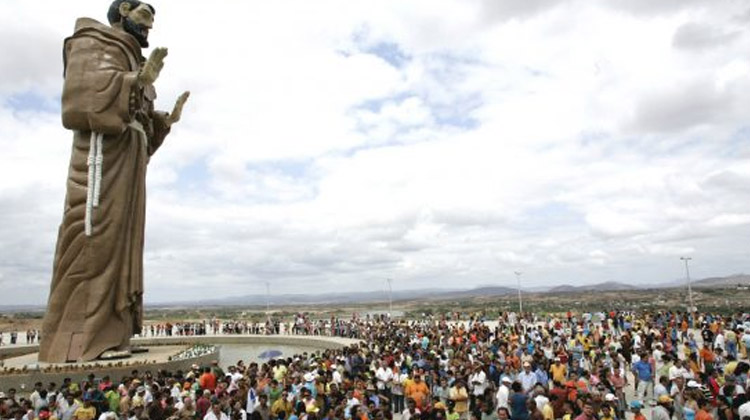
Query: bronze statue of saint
(96, 296)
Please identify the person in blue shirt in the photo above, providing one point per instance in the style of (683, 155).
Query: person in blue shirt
(517, 402)
(541, 376)
(645, 371)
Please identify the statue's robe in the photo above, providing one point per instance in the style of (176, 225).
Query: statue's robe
(96, 296)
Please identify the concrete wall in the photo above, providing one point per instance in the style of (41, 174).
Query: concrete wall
(9, 351)
(27, 380)
(319, 342)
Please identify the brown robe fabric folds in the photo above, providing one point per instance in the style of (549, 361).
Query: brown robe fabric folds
(96, 296)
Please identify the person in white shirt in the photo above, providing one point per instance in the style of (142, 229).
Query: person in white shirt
(384, 378)
(661, 388)
(337, 377)
(527, 377)
(397, 390)
(215, 413)
(478, 381)
(677, 370)
(503, 392)
(658, 357)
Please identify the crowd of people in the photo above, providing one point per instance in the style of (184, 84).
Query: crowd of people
(571, 367)
(299, 324)
(31, 336)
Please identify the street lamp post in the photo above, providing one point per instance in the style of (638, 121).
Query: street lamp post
(268, 298)
(390, 298)
(520, 302)
(690, 289)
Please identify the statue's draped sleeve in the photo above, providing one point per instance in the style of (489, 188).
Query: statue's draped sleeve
(99, 80)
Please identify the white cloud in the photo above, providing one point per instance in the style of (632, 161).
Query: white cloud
(441, 143)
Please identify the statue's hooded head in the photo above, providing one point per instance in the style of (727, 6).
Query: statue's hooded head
(134, 17)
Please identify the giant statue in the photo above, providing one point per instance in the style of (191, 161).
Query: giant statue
(96, 296)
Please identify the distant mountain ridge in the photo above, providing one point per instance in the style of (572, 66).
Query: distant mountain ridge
(728, 281)
(356, 297)
(608, 286)
(420, 294)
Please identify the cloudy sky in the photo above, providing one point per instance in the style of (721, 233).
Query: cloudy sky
(330, 145)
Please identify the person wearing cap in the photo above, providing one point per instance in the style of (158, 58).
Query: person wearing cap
(109, 415)
(503, 392)
(636, 407)
(663, 408)
(139, 399)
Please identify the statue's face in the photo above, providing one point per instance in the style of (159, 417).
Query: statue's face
(137, 22)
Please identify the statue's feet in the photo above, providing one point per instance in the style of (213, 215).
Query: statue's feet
(138, 349)
(115, 354)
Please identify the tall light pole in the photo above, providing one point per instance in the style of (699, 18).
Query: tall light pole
(390, 298)
(268, 299)
(690, 289)
(520, 302)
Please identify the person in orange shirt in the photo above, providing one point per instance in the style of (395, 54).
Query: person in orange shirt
(418, 391)
(513, 360)
(708, 357)
(703, 407)
(207, 380)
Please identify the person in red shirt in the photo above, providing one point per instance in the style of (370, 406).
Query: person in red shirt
(203, 404)
(208, 380)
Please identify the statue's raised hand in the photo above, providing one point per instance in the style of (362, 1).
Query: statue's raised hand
(150, 71)
(177, 111)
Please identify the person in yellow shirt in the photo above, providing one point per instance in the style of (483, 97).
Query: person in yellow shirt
(558, 371)
(85, 412)
(282, 404)
(607, 413)
(547, 411)
(460, 397)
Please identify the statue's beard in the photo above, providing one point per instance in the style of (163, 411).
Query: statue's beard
(140, 32)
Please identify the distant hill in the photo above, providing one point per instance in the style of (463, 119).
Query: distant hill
(356, 297)
(325, 299)
(728, 281)
(608, 286)
(343, 298)
(485, 291)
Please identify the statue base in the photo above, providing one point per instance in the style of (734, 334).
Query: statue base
(22, 371)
